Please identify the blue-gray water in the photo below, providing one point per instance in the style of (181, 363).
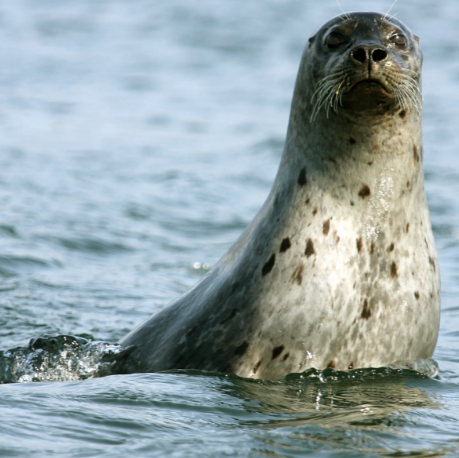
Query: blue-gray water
(138, 139)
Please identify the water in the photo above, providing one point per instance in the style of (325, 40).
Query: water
(137, 140)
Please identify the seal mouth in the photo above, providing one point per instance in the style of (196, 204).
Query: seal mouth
(369, 85)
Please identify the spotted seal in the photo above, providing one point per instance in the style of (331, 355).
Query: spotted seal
(339, 267)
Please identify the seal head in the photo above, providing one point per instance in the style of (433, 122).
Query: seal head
(364, 63)
(339, 267)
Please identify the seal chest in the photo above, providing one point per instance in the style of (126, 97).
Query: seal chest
(339, 267)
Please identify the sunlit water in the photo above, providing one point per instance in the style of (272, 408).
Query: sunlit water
(137, 140)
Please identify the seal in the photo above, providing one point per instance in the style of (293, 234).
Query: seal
(339, 267)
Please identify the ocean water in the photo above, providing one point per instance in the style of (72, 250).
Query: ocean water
(137, 140)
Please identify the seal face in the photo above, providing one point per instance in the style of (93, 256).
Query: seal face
(365, 64)
(339, 267)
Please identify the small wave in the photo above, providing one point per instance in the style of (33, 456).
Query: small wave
(422, 367)
(58, 358)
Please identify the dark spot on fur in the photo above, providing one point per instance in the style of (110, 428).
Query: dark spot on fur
(352, 203)
(366, 312)
(359, 244)
(314, 211)
(416, 295)
(402, 114)
(241, 349)
(364, 191)
(372, 247)
(285, 356)
(351, 366)
(306, 202)
(235, 287)
(297, 275)
(256, 367)
(415, 153)
(370, 163)
(331, 364)
(390, 247)
(352, 141)
(393, 270)
(407, 184)
(192, 331)
(309, 248)
(269, 265)
(326, 227)
(432, 263)
(285, 245)
(302, 180)
(233, 313)
(376, 148)
(408, 228)
(277, 351)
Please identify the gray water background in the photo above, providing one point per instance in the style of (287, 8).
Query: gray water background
(137, 140)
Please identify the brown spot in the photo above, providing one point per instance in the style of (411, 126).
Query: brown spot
(351, 366)
(359, 244)
(337, 239)
(370, 163)
(241, 349)
(314, 212)
(366, 312)
(256, 367)
(352, 203)
(415, 153)
(285, 356)
(364, 191)
(407, 184)
(393, 270)
(376, 148)
(416, 295)
(306, 202)
(352, 141)
(372, 247)
(331, 364)
(326, 227)
(285, 245)
(432, 263)
(309, 248)
(390, 247)
(269, 265)
(302, 180)
(408, 228)
(277, 351)
(402, 114)
(297, 275)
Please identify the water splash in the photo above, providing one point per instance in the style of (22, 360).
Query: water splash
(59, 358)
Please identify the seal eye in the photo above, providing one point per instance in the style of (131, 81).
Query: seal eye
(399, 40)
(334, 40)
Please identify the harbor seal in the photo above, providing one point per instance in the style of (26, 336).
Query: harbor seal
(339, 267)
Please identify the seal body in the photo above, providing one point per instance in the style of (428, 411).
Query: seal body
(339, 267)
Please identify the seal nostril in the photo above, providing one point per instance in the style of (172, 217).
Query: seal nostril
(359, 55)
(378, 55)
